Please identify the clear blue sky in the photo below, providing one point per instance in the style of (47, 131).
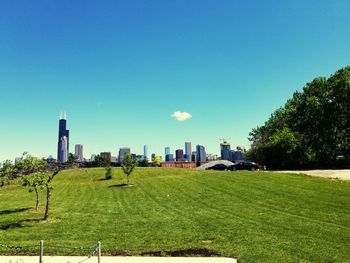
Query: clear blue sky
(121, 68)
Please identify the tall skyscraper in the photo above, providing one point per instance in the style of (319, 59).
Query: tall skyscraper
(63, 139)
(145, 152)
(79, 152)
(122, 153)
(188, 151)
(225, 149)
(167, 151)
(201, 155)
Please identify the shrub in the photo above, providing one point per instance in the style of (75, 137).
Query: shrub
(108, 173)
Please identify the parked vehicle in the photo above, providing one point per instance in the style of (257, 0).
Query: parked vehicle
(218, 166)
(244, 166)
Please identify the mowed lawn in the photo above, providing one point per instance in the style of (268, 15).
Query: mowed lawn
(252, 216)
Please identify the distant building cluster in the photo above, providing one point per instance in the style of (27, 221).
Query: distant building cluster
(182, 158)
(231, 155)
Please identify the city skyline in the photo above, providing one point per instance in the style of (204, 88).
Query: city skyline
(159, 73)
(63, 147)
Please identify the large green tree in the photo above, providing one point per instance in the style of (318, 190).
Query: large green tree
(6, 172)
(311, 130)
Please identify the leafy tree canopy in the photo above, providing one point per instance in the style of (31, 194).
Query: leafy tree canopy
(311, 130)
(128, 165)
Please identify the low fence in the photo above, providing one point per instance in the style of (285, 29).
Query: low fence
(40, 249)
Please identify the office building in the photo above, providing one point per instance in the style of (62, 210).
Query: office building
(225, 149)
(63, 139)
(179, 155)
(122, 153)
(145, 152)
(93, 157)
(188, 152)
(238, 155)
(153, 156)
(201, 155)
(194, 156)
(79, 152)
(169, 157)
(167, 151)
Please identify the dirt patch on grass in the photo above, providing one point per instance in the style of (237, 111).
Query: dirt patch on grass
(332, 174)
(190, 252)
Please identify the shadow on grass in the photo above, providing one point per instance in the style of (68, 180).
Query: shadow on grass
(18, 224)
(121, 185)
(190, 252)
(11, 211)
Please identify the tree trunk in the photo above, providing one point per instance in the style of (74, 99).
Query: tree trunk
(48, 196)
(37, 199)
(127, 179)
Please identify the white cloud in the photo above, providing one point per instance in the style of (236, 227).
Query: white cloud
(181, 115)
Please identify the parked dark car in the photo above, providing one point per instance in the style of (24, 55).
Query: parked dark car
(218, 166)
(244, 166)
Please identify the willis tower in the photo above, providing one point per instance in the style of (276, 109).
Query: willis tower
(63, 139)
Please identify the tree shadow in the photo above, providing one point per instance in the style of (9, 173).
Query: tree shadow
(189, 252)
(11, 211)
(18, 224)
(121, 185)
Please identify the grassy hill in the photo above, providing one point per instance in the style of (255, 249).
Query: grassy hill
(253, 216)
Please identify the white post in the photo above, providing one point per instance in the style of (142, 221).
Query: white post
(41, 251)
(99, 251)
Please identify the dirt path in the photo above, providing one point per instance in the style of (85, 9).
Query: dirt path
(335, 174)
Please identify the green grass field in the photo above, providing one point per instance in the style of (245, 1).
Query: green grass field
(252, 216)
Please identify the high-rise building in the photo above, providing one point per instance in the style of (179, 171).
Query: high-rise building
(225, 149)
(123, 151)
(238, 155)
(201, 155)
(64, 149)
(167, 151)
(153, 156)
(179, 155)
(188, 151)
(93, 157)
(145, 152)
(63, 139)
(79, 152)
(194, 156)
(169, 157)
